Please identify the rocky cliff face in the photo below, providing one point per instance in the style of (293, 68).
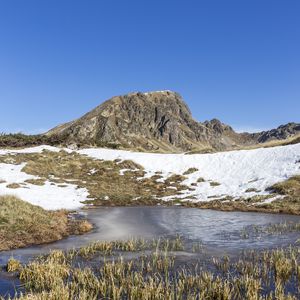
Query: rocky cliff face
(155, 121)
(280, 133)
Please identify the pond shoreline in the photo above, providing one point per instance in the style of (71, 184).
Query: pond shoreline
(233, 206)
(75, 216)
(205, 233)
(105, 217)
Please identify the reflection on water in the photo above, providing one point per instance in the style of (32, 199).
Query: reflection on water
(8, 285)
(219, 232)
(215, 229)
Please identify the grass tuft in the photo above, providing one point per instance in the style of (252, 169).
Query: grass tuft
(23, 224)
(190, 171)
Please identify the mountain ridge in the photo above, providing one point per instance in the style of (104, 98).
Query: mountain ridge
(157, 121)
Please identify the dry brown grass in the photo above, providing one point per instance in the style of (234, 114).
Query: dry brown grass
(102, 179)
(107, 187)
(289, 202)
(13, 186)
(250, 190)
(275, 143)
(289, 187)
(13, 265)
(23, 224)
(159, 275)
(39, 181)
(190, 171)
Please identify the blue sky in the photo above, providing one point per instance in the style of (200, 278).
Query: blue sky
(238, 61)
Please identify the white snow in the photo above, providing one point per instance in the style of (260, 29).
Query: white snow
(92, 171)
(37, 149)
(236, 171)
(49, 196)
(122, 172)
(12, 173)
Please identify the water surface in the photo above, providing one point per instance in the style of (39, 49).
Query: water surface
(218, 232)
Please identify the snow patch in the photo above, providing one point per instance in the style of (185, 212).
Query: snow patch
(12, 173)
(236, 171)
(49, 196)
(92, 171)
(37, 149)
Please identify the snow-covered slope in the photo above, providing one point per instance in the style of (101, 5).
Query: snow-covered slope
(235, 171)
(49, 196)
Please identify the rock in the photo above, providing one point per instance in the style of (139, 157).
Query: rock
(155, 121)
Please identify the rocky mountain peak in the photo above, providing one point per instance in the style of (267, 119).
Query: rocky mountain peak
(152, 121)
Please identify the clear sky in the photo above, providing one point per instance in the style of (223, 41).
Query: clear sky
(238, 61)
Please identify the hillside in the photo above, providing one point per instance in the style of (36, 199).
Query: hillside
(146, 121)
(156, 121)
(54, 178)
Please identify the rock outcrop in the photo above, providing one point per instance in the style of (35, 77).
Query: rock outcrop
(280, 133)
(154, 121)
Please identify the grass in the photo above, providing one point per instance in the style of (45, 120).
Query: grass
(201, 151)
(39, 181)
(288, 203)
(275, 143)
(23, 224)
(254, 275)
(13, 186)
(102, 179)
(108, 186)
(190, 171)
(200, 179)
(13, 265)
(289, 187)
(20, 140)
(250, 190)
(269, 229)
(290, 192)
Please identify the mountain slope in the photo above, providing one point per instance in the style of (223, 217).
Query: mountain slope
(282, 132)
(155, 121)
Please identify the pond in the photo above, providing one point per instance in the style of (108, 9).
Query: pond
(220, 233)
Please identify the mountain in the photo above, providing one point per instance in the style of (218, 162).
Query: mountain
(156, 121)
(282, 132)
